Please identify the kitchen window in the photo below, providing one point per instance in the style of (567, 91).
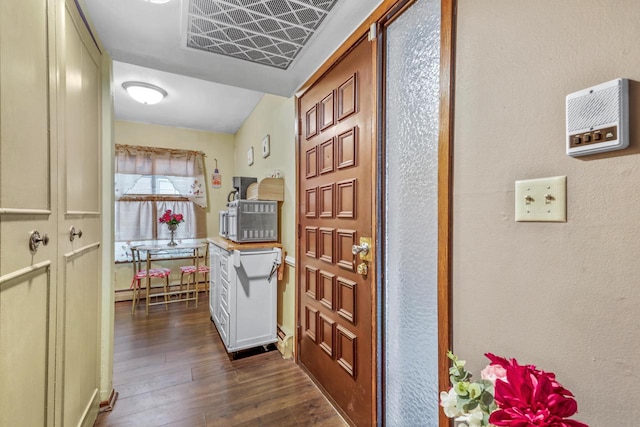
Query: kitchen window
(143, 195)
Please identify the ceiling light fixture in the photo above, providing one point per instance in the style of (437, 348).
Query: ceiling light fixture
(144, 93)
(157, 1)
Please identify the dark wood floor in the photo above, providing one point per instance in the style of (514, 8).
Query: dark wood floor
(171, 369)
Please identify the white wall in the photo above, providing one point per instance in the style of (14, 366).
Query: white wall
(561, 296)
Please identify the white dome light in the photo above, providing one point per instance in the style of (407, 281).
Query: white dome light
(157, 1)
(145, 93)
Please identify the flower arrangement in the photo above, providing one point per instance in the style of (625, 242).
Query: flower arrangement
(508, 394)
(170, 218)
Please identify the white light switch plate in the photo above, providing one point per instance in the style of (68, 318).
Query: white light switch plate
(542, 199)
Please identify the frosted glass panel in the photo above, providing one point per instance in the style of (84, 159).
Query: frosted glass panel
(410, 286)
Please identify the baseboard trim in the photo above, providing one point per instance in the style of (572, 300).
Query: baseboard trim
(285, 343)
(107, 405)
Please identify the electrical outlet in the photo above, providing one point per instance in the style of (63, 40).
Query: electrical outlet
(542, 199)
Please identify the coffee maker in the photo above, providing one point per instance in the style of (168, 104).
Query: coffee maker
(240, 184)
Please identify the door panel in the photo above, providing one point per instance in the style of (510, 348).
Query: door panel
(24, 348)
(24, 106)
(81, 150)
(335, 189)
(81, 329)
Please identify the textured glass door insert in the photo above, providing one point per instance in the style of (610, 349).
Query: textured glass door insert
(410, 328)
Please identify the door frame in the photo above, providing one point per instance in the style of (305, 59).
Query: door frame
(445, 190)
(385, 13)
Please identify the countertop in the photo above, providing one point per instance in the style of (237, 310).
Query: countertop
(230, 245)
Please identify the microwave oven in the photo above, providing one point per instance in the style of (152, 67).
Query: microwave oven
(250, 221)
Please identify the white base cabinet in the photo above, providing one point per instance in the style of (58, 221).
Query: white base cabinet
(243, 296)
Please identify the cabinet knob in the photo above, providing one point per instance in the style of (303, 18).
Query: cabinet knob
(73, 234)
(35, 240)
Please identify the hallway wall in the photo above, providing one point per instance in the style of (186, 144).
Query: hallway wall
(275, 116)
(562, 296)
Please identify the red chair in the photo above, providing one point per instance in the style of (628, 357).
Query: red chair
(141, 274)
(190, 271)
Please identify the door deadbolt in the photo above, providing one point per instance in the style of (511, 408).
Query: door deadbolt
(363, 269)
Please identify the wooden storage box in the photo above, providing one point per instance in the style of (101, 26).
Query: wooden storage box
(267, 189)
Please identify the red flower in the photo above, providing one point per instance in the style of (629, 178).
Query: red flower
(170, 218)
(531, 398)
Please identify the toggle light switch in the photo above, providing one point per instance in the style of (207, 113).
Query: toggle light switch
(543, 199)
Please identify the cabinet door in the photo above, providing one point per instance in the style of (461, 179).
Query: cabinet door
(215, 293)
(252, 292)
(28, 202)
(224, 328)
(212, 279)
(79, 194)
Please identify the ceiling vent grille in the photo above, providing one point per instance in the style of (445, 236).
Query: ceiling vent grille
(269, 32)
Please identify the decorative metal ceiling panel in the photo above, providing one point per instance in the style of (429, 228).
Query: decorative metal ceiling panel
(269, 32)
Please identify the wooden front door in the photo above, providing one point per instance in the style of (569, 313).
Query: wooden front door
(336, 304)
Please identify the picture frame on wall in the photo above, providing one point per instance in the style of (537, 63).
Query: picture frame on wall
(250, 156)
(266, 147)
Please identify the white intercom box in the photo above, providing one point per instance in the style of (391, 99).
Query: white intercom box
(598, 118)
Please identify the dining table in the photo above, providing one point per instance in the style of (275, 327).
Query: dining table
(157, 251)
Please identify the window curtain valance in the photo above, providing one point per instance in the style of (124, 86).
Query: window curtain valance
(184, 168)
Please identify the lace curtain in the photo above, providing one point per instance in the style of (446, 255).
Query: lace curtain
(184, 168)
(136, 221)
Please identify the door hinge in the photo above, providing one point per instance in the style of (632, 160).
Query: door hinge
(373, 32)
(299, 231)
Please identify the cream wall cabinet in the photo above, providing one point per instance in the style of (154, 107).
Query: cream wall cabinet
(50, 169)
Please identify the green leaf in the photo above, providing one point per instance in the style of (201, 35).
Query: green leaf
(461, 389)
(475, 390)
(467, 407)
(486, 398)
(487, 384)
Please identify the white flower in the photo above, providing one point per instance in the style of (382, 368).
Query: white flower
(475, 418)
(449, 403)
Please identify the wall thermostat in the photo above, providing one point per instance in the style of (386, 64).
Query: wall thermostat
(598, 118)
